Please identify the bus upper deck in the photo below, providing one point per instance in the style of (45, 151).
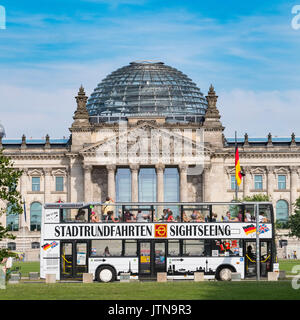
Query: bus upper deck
(134, 212)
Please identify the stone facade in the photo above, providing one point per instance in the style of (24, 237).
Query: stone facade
(86, 178)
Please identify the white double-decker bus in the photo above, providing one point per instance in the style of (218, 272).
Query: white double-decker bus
(142, 239)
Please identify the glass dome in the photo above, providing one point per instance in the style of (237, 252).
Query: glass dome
(145, 89)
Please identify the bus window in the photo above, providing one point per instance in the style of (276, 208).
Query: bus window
(130, 249)
(75, 215)
(106, 248)
(264, 213)
(193, 248)
(223, 248)
(173, 248)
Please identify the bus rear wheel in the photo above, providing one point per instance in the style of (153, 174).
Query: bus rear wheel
(224, 274)
(106, 274)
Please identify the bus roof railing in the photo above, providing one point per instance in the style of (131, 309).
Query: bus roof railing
(77, 205)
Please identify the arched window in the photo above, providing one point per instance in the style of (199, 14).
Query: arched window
(282, 211)
(35, 216)
(12, 220)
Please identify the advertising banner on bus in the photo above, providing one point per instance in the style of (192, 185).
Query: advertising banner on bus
(156, 230)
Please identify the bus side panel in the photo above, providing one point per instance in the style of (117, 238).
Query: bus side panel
(50, 249)
(121, 265)
(50, 258)
(188, 265)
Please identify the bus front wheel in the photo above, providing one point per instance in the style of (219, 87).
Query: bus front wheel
(106, 274)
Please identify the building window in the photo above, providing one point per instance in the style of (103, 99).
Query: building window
(282, 211)
(258, 182)
(35, 216)
(171, 188)
(35, 245)
(281, 182)
(36, 182)
(59, 183)
(123, 185)
(12, 220)
(11, 246)
(147, 185)
(232, 182)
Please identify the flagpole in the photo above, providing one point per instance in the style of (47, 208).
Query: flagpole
(236, 185)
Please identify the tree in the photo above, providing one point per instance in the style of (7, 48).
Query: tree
(257, 197)
(9, 178)
(294, 220)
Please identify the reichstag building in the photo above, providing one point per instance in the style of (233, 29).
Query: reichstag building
(135, 107)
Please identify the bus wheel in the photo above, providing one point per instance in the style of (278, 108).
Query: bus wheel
(224, 274)
(106, 274)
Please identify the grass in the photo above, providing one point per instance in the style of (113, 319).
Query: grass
(181, 290)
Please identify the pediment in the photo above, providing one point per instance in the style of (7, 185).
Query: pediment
(35, 172)
(147, 138)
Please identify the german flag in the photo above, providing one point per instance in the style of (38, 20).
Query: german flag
(238, 172)
(249, 229)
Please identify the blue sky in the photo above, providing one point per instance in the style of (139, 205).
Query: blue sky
(248, 51)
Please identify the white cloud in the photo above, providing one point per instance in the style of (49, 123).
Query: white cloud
(260, 112)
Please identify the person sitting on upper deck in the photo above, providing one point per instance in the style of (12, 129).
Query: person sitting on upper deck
(140, 217)
(94, 218)
(128, 216)
(229, 218)
(80, 216)
(248, 217)
(185, 218)
(110, 217)
(262, 217)
(170, 216)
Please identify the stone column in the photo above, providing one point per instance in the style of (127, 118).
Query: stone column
(23, 188)
(205, 183)
(270, 181)
(134, 182)
(183, 182)
(87, 183)
(47, 185)
(293, 186)
(246, 182)
(160, 197)
(160, 182)
(111, 181)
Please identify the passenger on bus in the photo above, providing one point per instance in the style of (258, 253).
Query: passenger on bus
(94, 218)
(170, 216)
(185, 218)
(110, 217)
(262, 218)
(214, 217)
(107, 207)
(140, 217)
(80, 215)
(128, 216)
(229, 218)
(248, 217)
(106, 252)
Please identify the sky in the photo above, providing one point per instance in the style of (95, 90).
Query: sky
(249, 51)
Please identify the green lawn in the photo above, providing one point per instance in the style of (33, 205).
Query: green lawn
(181, 290)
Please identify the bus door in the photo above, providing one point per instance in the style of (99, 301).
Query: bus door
(74, 259)
(265, 258)
(152, 257)
(66, 259)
